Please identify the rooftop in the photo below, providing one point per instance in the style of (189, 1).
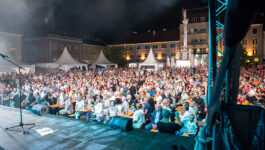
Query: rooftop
(149, 36)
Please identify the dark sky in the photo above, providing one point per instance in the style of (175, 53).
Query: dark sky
(91, 19)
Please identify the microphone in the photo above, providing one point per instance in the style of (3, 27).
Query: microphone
(4, 56)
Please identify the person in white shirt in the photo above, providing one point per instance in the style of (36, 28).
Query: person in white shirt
(79, 105)
(99, 111)
(138, 117)
(184, 96)
(125, 105)
(191, 126)
(68, 109)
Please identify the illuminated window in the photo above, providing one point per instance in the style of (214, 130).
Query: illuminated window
(254, 52)
(255, 30)
(255, 41)
(164, 45)
(138, 47)
(146, 46)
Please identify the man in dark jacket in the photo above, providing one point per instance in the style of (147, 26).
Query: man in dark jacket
(17, 98)
(27, 103)
(156, 117)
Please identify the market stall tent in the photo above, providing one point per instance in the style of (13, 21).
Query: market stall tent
(103, 61)
(65, 62)
(151, 63)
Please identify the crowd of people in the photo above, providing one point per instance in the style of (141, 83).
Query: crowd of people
(170, 100)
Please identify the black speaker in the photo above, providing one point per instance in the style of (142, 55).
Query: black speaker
(170, 128)
(123, 123)
(244, 120)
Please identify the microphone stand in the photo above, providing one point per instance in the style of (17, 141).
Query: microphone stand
(21, 124)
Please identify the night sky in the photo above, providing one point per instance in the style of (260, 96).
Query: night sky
(106, 20)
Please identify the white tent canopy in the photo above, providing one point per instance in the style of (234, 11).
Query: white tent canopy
(103, 61)
(65, 61)
(151, 62)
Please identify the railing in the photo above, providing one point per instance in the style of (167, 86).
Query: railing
(197, 43)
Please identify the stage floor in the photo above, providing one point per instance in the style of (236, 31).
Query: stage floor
(75, 134)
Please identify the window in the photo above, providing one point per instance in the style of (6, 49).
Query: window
(255, 30)
(146, 46)
(131, 56)
(138, 55)
(203, 50)
(54, 47)
(202, 19)
(155, 54)
(173, 54)
(164, 45)
(76, 54)
(164, 54)
(76, 48)
(195, 30)
(254, 52)
(255, 41)
(203, 41)
(145, 55)
(203, 30)
(154, 46)
(172, 45)
(138, 47)
(194, 19)
(195, 50)
(130, 48)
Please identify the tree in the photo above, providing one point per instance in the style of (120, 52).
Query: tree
(244, 58)
(116, 55)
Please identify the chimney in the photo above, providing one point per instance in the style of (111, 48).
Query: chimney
(154, 32)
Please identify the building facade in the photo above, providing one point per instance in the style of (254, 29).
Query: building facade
(12, 42)
(197, 29)
(90, 53)
(164, 43)
(49, 48)
(253, 42)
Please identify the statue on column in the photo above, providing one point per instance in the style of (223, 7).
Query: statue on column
(185, 40)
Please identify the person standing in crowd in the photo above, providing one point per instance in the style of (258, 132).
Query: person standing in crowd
(147, 110)
(138, 117)
(80, 104)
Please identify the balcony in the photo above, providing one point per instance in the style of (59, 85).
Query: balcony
(197, 43)
(202, 31)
